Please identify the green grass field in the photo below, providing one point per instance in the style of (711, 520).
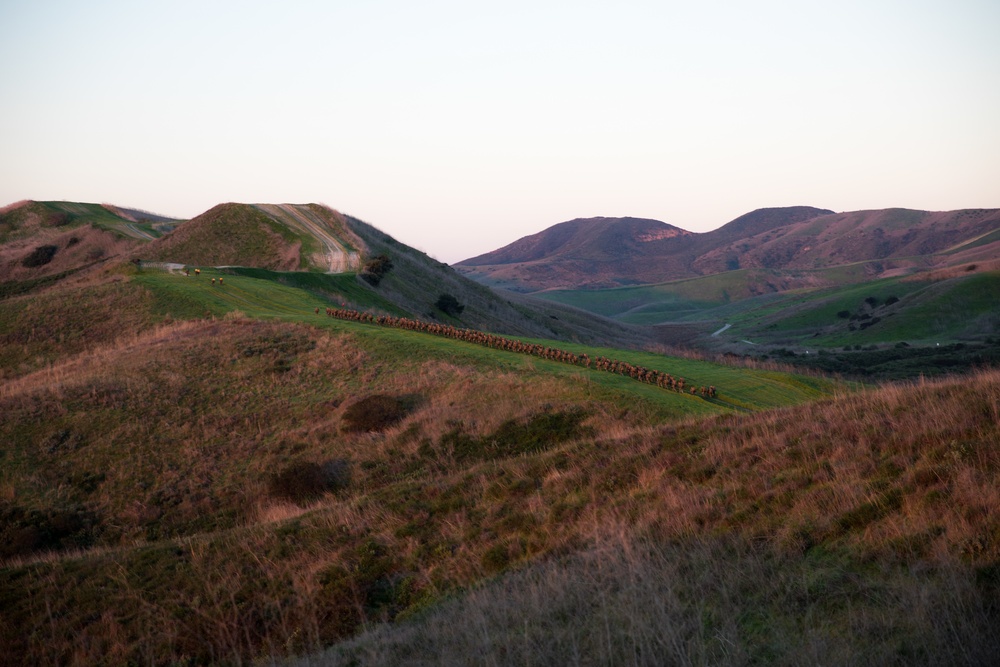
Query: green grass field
(893, 310)
(295, 296)
(903, 309)
(705, 297)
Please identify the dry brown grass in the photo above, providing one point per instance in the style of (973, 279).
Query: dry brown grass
(194, 560)
(75, 248)
(708, 601)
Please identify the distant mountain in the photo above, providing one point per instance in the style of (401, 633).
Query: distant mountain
(591, 239)
(763, 220)
(908, 236)
(612, 252)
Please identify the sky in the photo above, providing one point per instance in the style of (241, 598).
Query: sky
(459, 127)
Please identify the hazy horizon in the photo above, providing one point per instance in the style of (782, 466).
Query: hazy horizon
(458, 129)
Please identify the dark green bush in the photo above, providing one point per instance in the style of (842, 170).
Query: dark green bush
(449, 304)
(375, 269)
(375, 413)
(41, 256)
(305, 481)
(28, 530)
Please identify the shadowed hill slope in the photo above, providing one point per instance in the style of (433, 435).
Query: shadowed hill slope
(417, 281)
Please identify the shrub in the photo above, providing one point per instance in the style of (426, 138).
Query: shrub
(305, 481)
(844, 314)
(41, 256)
(28, 530)
(513, 438)
(375, 269)
(449, 304)
(375, 413)
(891, 300)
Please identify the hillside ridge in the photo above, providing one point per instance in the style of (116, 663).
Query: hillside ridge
(789, 238)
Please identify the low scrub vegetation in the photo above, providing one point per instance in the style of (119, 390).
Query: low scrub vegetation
(303, 482)
(40, 256)
(376, 413)
(634, 600)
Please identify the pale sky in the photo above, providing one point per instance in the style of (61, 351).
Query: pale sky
(459, 127)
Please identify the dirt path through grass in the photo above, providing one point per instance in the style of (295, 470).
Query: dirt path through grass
(721, 330)
(339, 258)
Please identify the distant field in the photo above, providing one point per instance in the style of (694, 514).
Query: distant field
(695, 298)
(888, 310)
(884, 311)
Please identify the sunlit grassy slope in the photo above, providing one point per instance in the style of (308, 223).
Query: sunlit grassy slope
(295, 297)
(256, 292)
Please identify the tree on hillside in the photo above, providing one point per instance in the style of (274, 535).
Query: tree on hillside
(375, 269)
(449, 304)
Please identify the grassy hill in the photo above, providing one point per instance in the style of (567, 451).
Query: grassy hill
(203, 469)
(311, 246)
(217, 489)
(235, 234)
(23, 219)
(44, 241)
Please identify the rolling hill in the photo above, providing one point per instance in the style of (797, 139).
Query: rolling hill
(613, 252)
(43, 239)
(297, 244)
(239, 489)
(200, 466)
